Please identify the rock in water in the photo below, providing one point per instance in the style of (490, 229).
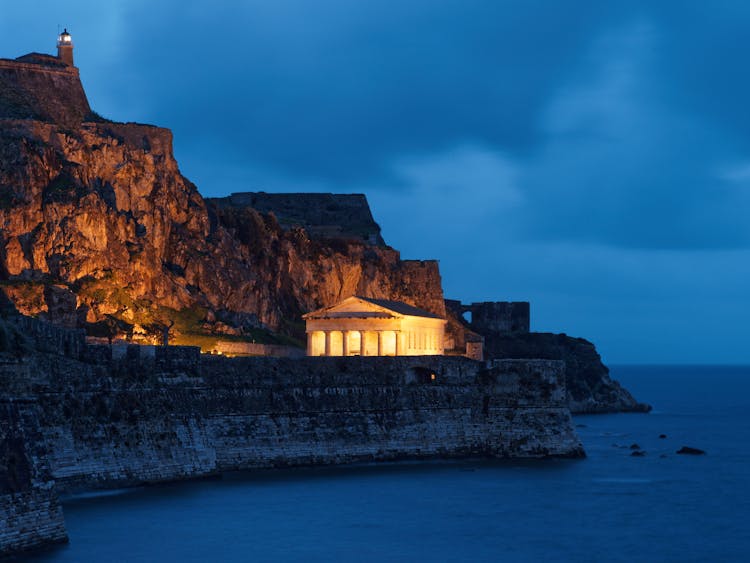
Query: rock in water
(690, 451)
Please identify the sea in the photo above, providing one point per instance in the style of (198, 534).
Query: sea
(610, 506)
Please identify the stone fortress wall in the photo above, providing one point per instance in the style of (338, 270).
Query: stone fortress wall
(171, 413)
(322, 215)
(30, 511)
(186, 418)
(41, 87)
(503, 317)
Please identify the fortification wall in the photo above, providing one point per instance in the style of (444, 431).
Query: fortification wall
(323, 215)
(30, 513)
(503, 317)
(254, 349)
(42, 92)
(179, 415)
(51, 338)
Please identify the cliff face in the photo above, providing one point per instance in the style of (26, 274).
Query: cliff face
(102, 213)
(590, 389)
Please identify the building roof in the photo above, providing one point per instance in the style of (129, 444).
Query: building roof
(400, 307)
(385, 308)
(41, 59)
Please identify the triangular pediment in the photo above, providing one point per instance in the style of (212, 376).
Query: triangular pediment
(353, 307)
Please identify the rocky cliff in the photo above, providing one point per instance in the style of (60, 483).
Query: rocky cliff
(96, 215)
(589, 387)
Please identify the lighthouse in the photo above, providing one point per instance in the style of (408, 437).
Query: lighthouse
(65, 47)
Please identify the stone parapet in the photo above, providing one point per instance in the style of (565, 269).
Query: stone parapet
(41, 91)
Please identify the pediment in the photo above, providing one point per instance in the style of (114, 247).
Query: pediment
(353, 307)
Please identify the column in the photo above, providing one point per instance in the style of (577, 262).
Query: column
(345, 336)
(380, 343)
(398, 342)
(328, 342)
(310, 343)
(362, 344)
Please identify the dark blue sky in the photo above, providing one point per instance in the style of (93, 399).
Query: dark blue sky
(591, 157)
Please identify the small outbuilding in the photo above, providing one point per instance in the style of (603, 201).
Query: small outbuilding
(360, 326)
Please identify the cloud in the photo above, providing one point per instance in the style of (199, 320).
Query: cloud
(333, 91)
(444, 199)
(621, 166)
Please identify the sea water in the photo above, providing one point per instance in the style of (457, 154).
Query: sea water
(611, 506)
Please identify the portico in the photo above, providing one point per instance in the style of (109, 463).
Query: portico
(359, 326)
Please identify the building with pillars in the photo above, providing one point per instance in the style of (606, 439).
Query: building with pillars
(359, 326)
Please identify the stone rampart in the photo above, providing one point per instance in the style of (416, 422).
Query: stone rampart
(322, 215)
(145, 420)
(42, 92)
(171, 413)
(30, 513)
(51, 338)
(500, 317)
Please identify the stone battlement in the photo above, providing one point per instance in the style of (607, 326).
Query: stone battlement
(36, 88)
(40, 65)
(322, 215)
(498, 317)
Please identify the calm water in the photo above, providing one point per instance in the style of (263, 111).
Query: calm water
(610, 506)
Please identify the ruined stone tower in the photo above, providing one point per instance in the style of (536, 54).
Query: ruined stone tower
(65, 48)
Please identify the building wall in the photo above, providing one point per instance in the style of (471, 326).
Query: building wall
(407, 336)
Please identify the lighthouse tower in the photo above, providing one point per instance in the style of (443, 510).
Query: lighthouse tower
(65, 48)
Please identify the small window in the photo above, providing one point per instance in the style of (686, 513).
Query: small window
(424, 375)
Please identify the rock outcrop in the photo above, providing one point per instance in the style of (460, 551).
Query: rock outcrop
(100, 210)
(590, 388)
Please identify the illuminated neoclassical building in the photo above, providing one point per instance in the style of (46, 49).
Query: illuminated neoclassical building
(358, 326)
